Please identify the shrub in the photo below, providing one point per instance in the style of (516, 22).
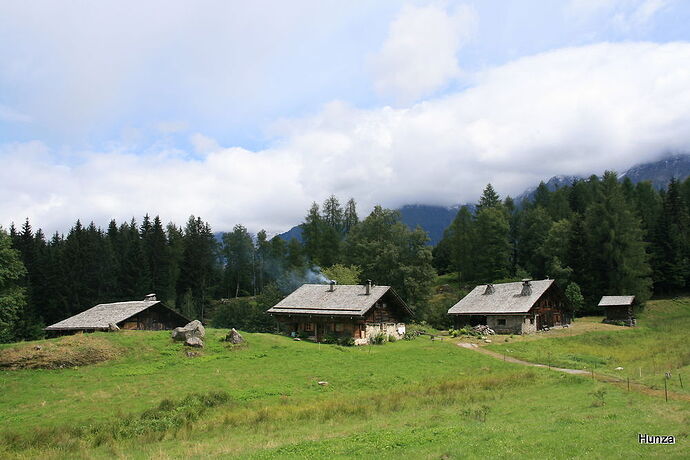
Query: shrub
(303, 335)
(379, 339)
(409, 336)
(392, 338)
(330, 338)
(347, 341)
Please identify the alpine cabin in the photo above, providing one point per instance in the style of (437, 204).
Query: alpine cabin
(342, 311)
(619, 309)
(514, 308)
(148, 314)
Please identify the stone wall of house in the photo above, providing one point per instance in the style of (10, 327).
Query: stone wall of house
(396, 330)
(513, 324)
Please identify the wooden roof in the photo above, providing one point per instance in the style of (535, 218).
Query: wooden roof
(616, 300)
(345, 300)
(506, 298)
(100, 316)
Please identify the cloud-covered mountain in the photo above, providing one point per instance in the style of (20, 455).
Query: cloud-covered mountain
(435, 219)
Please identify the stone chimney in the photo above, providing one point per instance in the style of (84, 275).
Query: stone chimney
(150, 297)
(332, 288)
(489, 289)
(368, 286)
(526, 287)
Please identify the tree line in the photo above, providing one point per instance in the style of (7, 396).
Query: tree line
(599, 236)
(596, 237)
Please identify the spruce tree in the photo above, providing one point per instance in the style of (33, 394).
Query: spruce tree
(12, 298)
(619, 262)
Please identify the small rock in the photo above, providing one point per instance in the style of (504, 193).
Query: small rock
(191, 354)
(487, 340)
(234, 337)
(323, 383)
(38, 347)
(619, 368)
(194, 342)
(297, 339)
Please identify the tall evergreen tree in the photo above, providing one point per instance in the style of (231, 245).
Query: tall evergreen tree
(489, 199)
(617, 251)
(238, 250)
(671, 246)
(492, 259)
(12, 298)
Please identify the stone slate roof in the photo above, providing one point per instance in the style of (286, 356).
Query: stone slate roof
(101, 315)
(346, 300)
(505, 299)
(616, 300)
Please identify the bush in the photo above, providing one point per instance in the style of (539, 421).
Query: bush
(392, 338)
(379, 339)
(409, 336)
(303, 335)
(329, 338)
(347, 341)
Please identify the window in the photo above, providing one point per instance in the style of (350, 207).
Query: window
(339, 327)
(501, 321)
(308, 327)
(531, 320)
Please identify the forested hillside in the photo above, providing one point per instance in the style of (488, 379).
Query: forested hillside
(597, 236)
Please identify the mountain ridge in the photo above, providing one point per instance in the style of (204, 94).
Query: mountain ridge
(434, 219)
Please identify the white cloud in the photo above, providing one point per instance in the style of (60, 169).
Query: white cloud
(419, 55)
(569, 111)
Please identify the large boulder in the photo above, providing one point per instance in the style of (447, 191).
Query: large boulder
(234, 337)
(194, 342)
(192, 329)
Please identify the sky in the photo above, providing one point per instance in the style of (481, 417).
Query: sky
(247, 112)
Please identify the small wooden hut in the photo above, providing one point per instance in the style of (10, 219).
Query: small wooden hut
(357, 311)
(514, 308)
(619, 309)
(148, 314)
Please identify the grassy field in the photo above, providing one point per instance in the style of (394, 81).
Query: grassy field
(410, 399)
(659, 344)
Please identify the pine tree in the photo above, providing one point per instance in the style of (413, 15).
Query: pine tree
(157, 254)
(197, 268)
(350, 219)
(312, 234)
(12, 298)
(671, 246)
(614, 241)
(489, 199)
(533, 230)
(492, 260)
(463, 244)
(238, 250)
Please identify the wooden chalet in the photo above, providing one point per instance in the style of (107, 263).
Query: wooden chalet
(619, 309)
(357, 311)
(514, 308)
(148, 314)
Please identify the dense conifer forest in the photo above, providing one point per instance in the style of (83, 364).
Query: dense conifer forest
(595, 237)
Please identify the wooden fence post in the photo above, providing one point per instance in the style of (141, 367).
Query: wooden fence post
(681, 380)
(665, 388)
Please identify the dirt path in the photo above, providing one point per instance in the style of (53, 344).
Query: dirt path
(639, 388)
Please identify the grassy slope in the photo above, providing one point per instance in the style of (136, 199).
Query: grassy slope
(414, 399)
(657, 345)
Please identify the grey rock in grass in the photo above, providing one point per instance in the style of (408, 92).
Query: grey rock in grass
(195, 342)
(192, 329)
(234, 337)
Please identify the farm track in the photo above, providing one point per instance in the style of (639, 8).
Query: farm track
(637, 387)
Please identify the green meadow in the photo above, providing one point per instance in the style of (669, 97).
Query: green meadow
(660, 343)
(407, 399)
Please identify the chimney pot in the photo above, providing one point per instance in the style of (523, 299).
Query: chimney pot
(489, 289)
(526, 287)
(150, 297)
(332, 288)
(368, 286)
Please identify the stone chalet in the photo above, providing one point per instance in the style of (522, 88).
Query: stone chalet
(514, 308)
(358, 311)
